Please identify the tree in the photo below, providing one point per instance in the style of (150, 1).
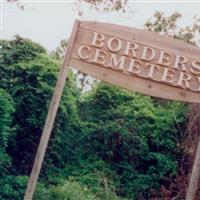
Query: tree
(6, 110)
(131, 140)
(83, 81)
(29, 75)
(8, 183)
(137, 138)
(168, 26)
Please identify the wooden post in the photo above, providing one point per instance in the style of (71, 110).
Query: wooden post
(194, 176)
(50, 118)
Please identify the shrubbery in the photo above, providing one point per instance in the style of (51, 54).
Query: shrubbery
(136, 138)
(6, 131)
(107, 144)
(12, 187)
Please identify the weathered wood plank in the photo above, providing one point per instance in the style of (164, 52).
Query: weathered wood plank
(157, 77)
(85, 37)
(145, 37)
(138, 60)
(50, 118)
(134, 83)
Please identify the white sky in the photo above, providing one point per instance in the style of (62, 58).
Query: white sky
(48, 22)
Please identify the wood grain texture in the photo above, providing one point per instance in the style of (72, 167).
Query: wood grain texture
(143, 36)
(154, 86)
(134, 83)
(137, 83)
(85, 36)
(50, 118)
(157, 76)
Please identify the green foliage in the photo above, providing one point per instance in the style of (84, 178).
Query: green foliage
(29, 76)
(32, 92)
(41, 192)
(70, 190)
(12, 187)
(107, 144)
(6, 110)
(136, 137)
(20, 49)
(5, 162)
(77, 190)
(99, 184)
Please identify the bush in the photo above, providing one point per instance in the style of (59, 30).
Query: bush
(13, 187)
(135, 136)
(113, 143)
(6, 110)
(70, 190)
(29, 75)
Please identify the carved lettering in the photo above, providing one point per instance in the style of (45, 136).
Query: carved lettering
(81, 50)
(180, 62)
(143, 61)
(117, 63)
(134, 66)
(195, 67)
(184, 79)
(99, 56)
(114, 44)
(168, 75)
(151, 70)
(131, 47)
(148, 53)
(98, 40)
(164, 58)
(198, 79)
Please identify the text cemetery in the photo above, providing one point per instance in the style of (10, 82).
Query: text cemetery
(134, 58)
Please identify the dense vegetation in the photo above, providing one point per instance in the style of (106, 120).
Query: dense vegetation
(107, 144)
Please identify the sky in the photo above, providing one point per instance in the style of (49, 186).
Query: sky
(49, 21)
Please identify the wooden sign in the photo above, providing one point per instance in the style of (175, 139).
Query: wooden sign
(134, 59)
(138, 60)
